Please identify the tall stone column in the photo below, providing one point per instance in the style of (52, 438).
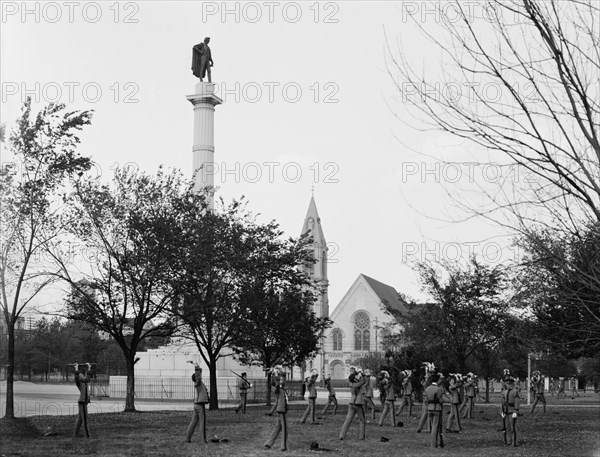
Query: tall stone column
(203, 150)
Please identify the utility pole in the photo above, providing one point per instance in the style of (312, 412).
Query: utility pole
(376, 345)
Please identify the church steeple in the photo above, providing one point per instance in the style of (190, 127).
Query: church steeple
(318, 271)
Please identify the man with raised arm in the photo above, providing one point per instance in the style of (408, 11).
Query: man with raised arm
(200, 401)
(82, 381)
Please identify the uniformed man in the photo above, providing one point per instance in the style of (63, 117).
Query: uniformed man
(435, 401)
(82, 381)
(573, 381)
(312, 397)
(368, 396)
(243, 386)
(537, 385)
(281, 407)
(331, 400)
(469, 405)
(390, 399)
(356, 381)
(200, 401)
(455, 385)
(510, 411)
(561, 387)
(429, 369)
(407, 390)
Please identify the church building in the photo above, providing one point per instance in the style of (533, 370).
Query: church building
(357, 319)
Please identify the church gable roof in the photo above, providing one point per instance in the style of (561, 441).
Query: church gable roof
(384, 294)
(387, 294)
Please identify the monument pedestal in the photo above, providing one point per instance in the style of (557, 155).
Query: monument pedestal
(203, 150)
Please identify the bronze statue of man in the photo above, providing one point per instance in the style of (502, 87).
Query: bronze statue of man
(202, 60)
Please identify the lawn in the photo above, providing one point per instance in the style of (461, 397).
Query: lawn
(565, 431)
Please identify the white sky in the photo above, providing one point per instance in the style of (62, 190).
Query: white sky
(342, 124)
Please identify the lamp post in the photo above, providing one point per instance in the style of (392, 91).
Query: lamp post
(528, 378)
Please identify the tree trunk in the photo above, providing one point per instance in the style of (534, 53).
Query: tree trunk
(487, 390)
(269, 388)
(214, 396)
(130, 395)
(10, 371)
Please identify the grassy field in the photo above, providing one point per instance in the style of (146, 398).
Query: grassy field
(565, 431)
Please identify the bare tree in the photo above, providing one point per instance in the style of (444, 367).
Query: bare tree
(542, 58)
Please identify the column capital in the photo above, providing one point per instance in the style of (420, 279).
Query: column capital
(204, 93)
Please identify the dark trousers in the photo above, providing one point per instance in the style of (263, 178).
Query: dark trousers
(406, 400)
(468, 406)
(370, 404)
(389, 407)
(510, 429)
(310, 409)
(453, 416)
(199, 416)
(82, 419)
(280, 427)
(359, 411)
(435, 422)
(538, 398)
(423, 420)
(242, 405)
(331, 401)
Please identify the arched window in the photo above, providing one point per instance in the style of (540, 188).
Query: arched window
(361, 332)
(336, 335)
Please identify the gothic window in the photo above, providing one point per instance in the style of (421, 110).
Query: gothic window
(336, 335)
(361, 332)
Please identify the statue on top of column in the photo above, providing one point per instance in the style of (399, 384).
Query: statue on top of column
(202, 60)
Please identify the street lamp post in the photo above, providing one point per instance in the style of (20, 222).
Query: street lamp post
(528, 378)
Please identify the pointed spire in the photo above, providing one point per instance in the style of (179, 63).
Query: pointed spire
(312, 222)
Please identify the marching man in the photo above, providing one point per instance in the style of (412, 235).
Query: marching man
(407, 390)
(332, 400)
(455, 384)
(435, 402)
(368, 397)
(312, 397)
(281, 406)
(390, 398)
(244, 386)
(537, 385)
(357, 382)
(200, 401)
(82, 381)
(469, 403)
(429, 368)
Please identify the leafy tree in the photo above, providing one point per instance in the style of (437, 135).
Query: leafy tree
(508, 351)
(127, 291)
(468, 313)
(559, 282)
(279, 324)
(33, 217)
(590, 370)
(218, 252)
(556, 366)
